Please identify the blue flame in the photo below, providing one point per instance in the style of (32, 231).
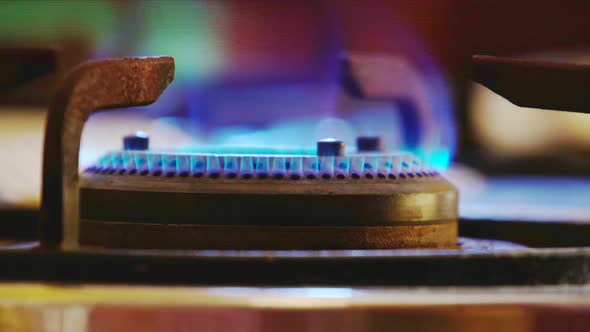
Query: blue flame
(279, 166)
(288, 115)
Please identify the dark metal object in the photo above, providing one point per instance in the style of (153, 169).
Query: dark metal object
(36, 70)
(22, 224)
(548, 234)
(534, 83)
(90, 87)
(369, 144)
(22, 65)
(331, 147)
(139, 141)
(484, 267)
(19, 223)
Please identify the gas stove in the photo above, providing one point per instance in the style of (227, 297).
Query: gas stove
(329, 207)
(323, 216)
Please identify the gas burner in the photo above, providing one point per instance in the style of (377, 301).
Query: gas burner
(150, 199)
(224, 197)
(395, 166)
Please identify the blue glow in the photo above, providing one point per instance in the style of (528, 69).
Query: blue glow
(287, 116)
(232, 165)
(247, 149)
(265, 112)
(330, 139)
(299, 136)
(141, 134)
(440, 159)
(154, 162)
(539, 199)
(247, 166)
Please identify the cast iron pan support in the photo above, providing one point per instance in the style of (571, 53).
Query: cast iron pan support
(535, 83)
(89, 87)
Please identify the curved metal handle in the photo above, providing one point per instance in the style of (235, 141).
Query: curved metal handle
(89, 87)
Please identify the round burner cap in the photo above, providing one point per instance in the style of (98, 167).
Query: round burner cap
(331, 147)
(369, 144)
(138, 141)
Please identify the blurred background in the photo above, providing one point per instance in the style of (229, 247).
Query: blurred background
(268, 74)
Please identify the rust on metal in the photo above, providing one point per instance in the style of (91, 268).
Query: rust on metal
(534, 83)
(89, 87)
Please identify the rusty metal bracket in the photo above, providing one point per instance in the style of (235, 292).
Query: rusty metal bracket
(89, 87)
